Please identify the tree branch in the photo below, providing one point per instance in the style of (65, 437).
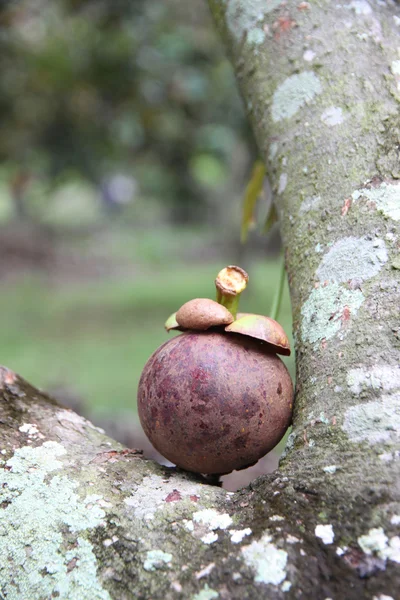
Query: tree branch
(83, 517)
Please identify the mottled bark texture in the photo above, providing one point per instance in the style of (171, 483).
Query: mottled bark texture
(83, 518)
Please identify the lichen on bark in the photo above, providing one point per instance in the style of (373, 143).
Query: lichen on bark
(326, 525)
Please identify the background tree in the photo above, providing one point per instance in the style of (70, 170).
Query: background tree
(93, 89)
(321, 84)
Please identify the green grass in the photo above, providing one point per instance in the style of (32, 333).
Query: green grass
(94, 338)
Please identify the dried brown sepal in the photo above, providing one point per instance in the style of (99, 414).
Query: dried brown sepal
(202, 313)
(262, 328)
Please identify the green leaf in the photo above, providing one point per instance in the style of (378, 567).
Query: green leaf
(272, 218)
(252, 193)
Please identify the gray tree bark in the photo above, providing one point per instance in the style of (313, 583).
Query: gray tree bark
(84, 518)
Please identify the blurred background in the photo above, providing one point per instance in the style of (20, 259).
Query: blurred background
(124, 156)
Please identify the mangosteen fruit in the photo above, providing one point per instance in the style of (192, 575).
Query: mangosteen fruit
(217, 397)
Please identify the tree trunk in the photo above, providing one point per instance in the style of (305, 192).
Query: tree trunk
(84, 518)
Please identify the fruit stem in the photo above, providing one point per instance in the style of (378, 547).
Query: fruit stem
(276, 305)
(230, 283)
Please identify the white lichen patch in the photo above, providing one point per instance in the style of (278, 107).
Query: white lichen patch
(210, 537)
(325, 533)
(395, 520)
(243, 18)
(188, 525)
(390, 237)
(379, 377)
(276, 518)
(392, 552)
(332, 116)
(286, 585)
(389, 456)
(151, 495)
(309, 55)
(206, 593)
(292, 539)
(255, 36)
(29, 428)
(205, 522)
(212, 519)
(361, 7)
(324, 311)
(294, 93)
(395, 67)
(383, 597)
(377, 542)
(374, 422)
(374, 541)
(283, 179)
(38, 506)
(266, 560)
(353, 258)
(330, 469)
(156, 559)
(110, 541)
(386, 197)
(237, 535)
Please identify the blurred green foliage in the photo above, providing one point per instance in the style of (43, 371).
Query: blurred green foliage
(103, 100)
(93, 88)
(95, 337)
